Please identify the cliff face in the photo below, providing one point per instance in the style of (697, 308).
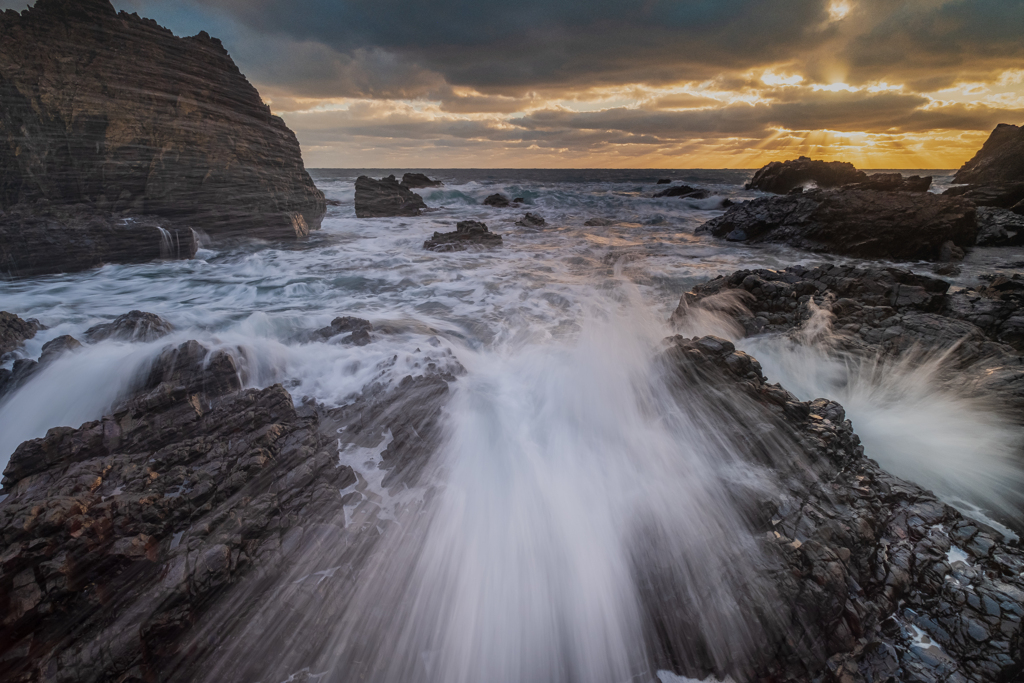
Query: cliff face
(113, 111)
(1000, 159)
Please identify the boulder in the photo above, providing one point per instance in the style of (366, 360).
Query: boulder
(892, 182)
(417, 180)
(14, 331)
(531, 220)
(466, 233)
(110, 110)
(356, 331)
(861, 223)
(1000, 160)
(779, 177)
(1002, 195)
(136, 326)
(684, 191)
(497, 200)
(386, 197)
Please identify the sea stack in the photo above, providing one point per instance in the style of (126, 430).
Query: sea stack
(114, 115)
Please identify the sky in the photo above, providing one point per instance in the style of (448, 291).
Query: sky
(623, 83)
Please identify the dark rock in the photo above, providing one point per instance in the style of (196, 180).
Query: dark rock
(531, 220)
(1000, 159)
(498, 201)
(518, 200)
(862, 223)
(466, 233)
(779, 177)
(14, 331)
(357, 330)
(56, 239)
(684, 191)
(1003, 196)
(55, 348)
(664, 181)
(999, 228)
(385, 197)
(132, 326)
(114, 111)
(417, 180)
(892, 182)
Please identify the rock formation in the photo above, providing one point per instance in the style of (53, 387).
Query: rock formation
(684, 191)
(355, 330)
(1000, 227)
(418, 180)
(497, 200)
(892, 182)
(862, 223)
(466, 233)
(14, 331)
(114, 112)
(132, 326)
(779, 177)
(531, 220)
(385, 197)
(1000, 160)
(1001, 195)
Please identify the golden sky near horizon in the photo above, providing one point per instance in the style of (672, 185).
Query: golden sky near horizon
(623, 83)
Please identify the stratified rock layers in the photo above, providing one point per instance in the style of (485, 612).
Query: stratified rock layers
(113, 111)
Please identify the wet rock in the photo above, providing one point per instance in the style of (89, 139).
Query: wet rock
(684, 191)
(355, 330)
(123, 116)
(466, 233)
(861, 223)
(418, 180)
(497, 200)
(385, 197)
(999, 228)
(779, 177)
(14, 331)
(57, 347)
(132, 326)
(531, 220)
(1000, 159)
(1003, 195)
(892, 182)
(664, 181)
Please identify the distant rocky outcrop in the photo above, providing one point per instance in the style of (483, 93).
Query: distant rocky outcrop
(418, 180)
(106, 109)
(1000, 160)
(497, 200)
(892, 182)
(385, 198)
(861, 223)
(779, 177)
(466, 233)
(684, 191)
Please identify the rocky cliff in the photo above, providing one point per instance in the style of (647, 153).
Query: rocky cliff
(1000, 159)
(112, 111)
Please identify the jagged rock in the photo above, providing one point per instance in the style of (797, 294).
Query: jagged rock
(531, 220)
(132, 326)
(38, 240)
(892, 182)
(498, 201)
(110, 110)
(14, 331)
(357, 331)
(862, 223)
(57, 347)
(999, 228)
(779, 177)
(417, 180)
(1004, 196)
(664, 181)
(860, 558)
(385, 197)
(684, 191)
(885, 310)
(1000, 159)
(466, 233)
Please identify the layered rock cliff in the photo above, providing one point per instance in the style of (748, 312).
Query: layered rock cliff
(115, 112)
(1000, 159)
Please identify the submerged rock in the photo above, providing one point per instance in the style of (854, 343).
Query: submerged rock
(14, 331)
(466, 233)
(1000, 160)
(861, 223)
(356, 331)
(531, 220)
(664, 181)
(132, 326)
(385, 197)
(417, 180)
(779, 177)
(684, 191)
(497, 200)
(121, 115)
